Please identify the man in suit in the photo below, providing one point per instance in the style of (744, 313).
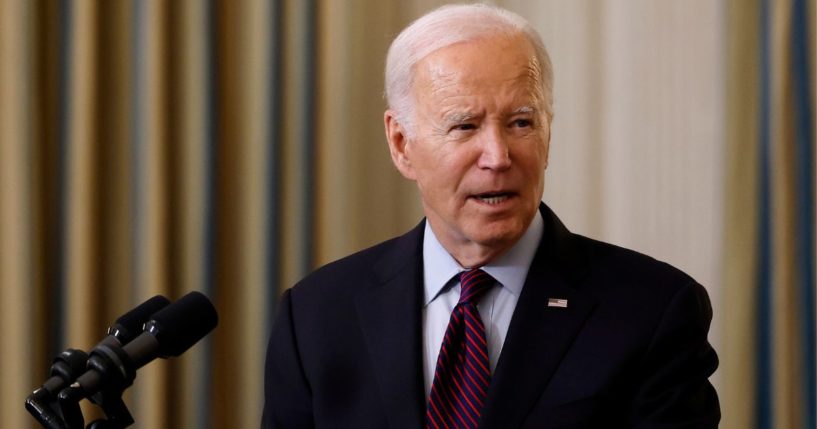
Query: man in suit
(559, 331)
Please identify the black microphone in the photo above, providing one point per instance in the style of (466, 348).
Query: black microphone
(169, 332)
(130, 325)
(69, 364)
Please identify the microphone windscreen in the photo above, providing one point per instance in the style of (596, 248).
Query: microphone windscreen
(130, 324)
(181, 324)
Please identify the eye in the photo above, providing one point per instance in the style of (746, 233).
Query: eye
(463, 127)
(522, 123)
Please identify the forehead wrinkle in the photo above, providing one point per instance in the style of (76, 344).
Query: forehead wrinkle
(449, 88)
(529, 78)
(533, 69)
(438, 84)
(439, 76)
(533, 72)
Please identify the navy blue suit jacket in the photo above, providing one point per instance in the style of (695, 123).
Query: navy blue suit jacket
(630, 350)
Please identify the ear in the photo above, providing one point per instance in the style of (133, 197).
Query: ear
(396, 136)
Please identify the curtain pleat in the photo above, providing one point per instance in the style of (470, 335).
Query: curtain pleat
(150, 183)
(786, 384)
(361, 196)
(189, 105)
(244, 142)
(787, 401)
(156, 147)
(740, 235)
(15, 209)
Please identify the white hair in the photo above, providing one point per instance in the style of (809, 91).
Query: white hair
(446, 26)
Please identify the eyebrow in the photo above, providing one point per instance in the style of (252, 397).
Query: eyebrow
(458, 117)
(524, 109)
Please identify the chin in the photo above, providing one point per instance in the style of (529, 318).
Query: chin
(490, 236)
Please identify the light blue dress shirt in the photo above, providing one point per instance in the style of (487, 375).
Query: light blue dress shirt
(442, 291)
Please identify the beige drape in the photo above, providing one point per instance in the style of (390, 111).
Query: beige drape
(160, 147)
(231, 146)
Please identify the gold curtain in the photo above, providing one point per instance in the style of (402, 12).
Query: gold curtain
(153, 147)
(231, 146)
(737, 393)
(768, 357)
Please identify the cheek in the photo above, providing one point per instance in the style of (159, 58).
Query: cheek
(432, 174)
(532, 164)
(543, 150)
(532, 156)
(445, 165)
(546, 154)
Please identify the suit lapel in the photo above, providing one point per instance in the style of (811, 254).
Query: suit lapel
(389, 312)
(539, 335)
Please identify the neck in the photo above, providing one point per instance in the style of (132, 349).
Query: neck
(470, 254)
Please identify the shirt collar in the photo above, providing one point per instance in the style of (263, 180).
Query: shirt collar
(510, 269)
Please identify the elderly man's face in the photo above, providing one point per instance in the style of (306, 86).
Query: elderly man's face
(479, 145)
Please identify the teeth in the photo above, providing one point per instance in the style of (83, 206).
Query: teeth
(494, 200)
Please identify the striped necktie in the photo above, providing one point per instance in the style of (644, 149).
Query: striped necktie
(463, 373)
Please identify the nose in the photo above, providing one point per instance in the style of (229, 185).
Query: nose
(495, 151)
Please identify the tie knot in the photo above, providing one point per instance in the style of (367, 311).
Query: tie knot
(474, 284)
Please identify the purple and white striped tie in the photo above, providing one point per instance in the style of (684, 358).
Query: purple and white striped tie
(463, 373)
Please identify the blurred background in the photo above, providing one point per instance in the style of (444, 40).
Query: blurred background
(230, 147)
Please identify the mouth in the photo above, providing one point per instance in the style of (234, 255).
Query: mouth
(493, 198)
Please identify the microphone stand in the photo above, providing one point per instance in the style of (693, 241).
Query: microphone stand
(110, 400)
(41, 403)
(117, 412)
(112, 369)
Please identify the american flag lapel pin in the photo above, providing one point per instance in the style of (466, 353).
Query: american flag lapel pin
(557, 302)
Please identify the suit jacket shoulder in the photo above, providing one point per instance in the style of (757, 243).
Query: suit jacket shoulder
(629, 349)
(629, 274)
(345, 349)
(366, 268)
